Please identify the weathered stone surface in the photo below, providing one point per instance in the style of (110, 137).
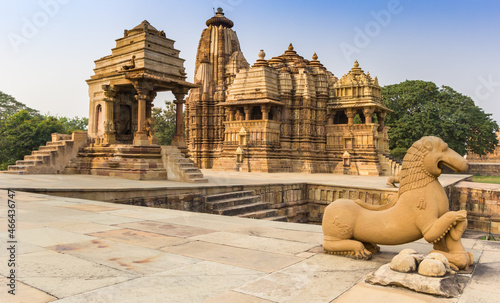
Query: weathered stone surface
(403, 263)
(482, 203)
(432, 268)
(449, 286)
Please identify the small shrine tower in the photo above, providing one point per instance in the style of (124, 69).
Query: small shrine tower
(218, 60)
(355, 125)
(125, 83)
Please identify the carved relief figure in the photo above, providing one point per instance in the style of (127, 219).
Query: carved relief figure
(353, 228)
(149, 128)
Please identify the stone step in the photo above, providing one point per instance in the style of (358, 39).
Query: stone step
(28, 162)
(50, 148)
(183, 160)
(39, 157)
(12, 172)
(17, 168)
(234, 194)
(241, 209)
(197, 175)
(190, 170)
(277, 218)
(199, 180)
(43, 152)
(225, 203)
(56, 143)
(260, 214)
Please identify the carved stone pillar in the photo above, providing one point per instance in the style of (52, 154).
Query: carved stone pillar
(149, 103)
(350, 113)
(230, 113)
(331, 115)
(265, 111)
(141, 136)
(368, 112)
(381, 120)
(248, 112)
(110, 92)
(178, 139)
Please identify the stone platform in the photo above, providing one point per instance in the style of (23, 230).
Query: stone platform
(74, 250)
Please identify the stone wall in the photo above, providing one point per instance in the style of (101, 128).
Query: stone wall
(484, 169)
(301, 202)
(482, 202)
(319, 196)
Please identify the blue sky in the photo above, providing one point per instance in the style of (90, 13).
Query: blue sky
(453, 43)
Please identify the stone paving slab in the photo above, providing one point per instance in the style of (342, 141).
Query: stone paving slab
(245, 258)
(92, 253)
(62, 275)
(193, 283)
(167, 229)
(24, 293)
(256, 243)
(140, 238)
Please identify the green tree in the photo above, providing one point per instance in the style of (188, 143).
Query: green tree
(423, 109)
(9, 106)
(23, 132)
(164, 123)
(73, 124)
(357, 119)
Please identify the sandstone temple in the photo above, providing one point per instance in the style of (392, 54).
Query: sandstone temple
(283, 114)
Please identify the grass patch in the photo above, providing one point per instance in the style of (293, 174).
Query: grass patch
(489, 238)
(487, 179)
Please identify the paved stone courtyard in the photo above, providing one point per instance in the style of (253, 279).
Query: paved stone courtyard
(74, 250)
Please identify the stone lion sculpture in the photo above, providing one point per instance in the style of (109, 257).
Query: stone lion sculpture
(354, 228)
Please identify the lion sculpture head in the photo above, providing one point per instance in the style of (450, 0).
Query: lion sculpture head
(423, 161)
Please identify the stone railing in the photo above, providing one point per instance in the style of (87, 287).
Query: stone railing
(257, 131)
(482, 202)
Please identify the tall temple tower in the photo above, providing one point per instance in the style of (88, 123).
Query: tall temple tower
(218, 59)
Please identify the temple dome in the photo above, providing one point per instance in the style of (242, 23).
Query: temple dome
(219, 19)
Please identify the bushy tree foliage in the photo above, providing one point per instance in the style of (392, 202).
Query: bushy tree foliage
(24, 132)
(23, 129)
(9, 106)
(73, 124)
(423, 109)
(164, 123)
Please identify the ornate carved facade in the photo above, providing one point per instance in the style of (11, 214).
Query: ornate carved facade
(285, 114)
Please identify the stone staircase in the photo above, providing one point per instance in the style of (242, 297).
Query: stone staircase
(390, 166)
(243, 204)
(51, 158)
(179, 167)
